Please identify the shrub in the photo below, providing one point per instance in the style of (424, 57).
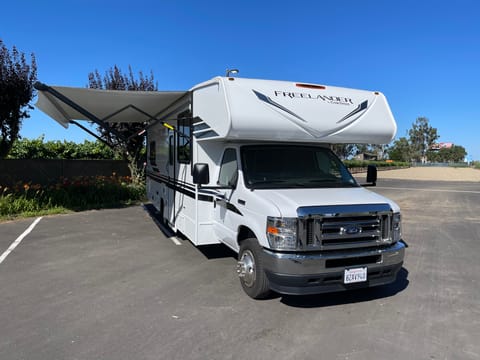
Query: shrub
(76, 194)
(379, 164)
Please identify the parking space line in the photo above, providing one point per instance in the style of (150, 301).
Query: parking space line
(175, 240)
(19, 239)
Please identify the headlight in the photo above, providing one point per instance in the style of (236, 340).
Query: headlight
(282, 233)
(396, 227)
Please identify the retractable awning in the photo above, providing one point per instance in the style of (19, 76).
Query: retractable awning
(67, 104)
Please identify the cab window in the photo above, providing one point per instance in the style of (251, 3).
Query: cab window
(228, 169)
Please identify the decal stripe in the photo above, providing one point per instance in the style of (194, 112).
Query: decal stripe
(177, 186)
(189, 190)
(303, 124)
(206, 134)
(359, 108)
(233, 208)
(266, 99)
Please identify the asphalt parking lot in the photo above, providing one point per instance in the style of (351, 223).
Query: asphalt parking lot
(110, 285)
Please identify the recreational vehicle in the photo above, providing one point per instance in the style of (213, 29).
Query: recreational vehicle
(247, 163)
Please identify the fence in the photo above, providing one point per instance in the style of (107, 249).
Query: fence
(440, 164)
(43, 171)
(357, 170)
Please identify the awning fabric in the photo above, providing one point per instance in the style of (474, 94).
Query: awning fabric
(110, 106)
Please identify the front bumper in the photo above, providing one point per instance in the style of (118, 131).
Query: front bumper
(313, 273)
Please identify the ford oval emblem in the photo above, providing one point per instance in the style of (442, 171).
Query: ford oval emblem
(351, 230)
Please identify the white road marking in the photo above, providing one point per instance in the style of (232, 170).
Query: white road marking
(431, 190)
(19, 239)
(175, 240)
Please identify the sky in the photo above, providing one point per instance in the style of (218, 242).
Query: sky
(423, 55)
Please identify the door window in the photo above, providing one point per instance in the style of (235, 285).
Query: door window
(229, 168)
(184, 139)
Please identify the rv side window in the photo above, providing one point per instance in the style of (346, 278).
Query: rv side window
(152, 156)
(229, 169)
(184, 140)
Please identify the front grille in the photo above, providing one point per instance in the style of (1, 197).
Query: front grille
(344, 227)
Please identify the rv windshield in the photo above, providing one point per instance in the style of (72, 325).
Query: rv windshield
(291, 166)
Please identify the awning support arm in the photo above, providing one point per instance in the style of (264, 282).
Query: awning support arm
(92, 133)
(43, 87)
(150, 117)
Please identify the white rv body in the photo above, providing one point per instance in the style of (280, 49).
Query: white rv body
(228, 114)
(297, 238)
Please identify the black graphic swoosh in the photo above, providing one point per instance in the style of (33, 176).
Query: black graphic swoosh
(266, 99)
(359, 108)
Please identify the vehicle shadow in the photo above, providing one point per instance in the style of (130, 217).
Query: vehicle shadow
(155, 215)
(348, 297)
(217, 251)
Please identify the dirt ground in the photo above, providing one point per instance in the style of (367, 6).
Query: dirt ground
(432, 173)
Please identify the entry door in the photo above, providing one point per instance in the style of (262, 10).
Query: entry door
(225, 213)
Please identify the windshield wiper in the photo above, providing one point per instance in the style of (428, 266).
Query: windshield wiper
(322, 181)
(333, 182)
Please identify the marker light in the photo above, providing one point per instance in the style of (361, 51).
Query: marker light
(168, 126)
(311, 86)
(396, 227)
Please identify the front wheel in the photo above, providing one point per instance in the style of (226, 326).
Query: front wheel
(250, 270)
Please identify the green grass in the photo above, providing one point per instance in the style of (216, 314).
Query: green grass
(23, 200)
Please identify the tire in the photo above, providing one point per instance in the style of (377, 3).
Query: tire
(251, 271)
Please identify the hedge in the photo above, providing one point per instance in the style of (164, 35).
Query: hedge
(379, 164)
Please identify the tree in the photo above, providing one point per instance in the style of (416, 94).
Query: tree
(344, 151)
(377, 150)
(132, 149)
(401, 150)
(40, 149)
(458, 153)
(455, 153)
(16, 91)
(422, 137)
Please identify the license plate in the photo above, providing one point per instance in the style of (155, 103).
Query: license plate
(355, 275)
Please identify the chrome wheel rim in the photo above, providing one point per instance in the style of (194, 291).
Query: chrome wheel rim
(246, 268)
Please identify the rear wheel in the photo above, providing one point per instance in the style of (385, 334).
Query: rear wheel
(251, 271)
